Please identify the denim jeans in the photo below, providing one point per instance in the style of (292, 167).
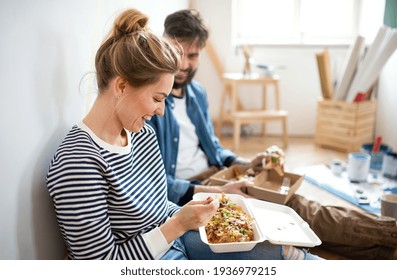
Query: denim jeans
(190, 246)
(176, 252)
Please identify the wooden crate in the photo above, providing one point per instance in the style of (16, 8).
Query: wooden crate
(345, 126)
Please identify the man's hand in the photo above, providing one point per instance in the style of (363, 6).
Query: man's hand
(257, 161)
(237, 188)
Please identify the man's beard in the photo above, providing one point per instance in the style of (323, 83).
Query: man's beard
(189, 78)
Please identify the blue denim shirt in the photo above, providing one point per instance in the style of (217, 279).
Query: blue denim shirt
(167, 131)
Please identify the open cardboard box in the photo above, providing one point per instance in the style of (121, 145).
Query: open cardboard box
(230, 174)
(267, 184)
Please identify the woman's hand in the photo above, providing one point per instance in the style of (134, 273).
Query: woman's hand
(191, 216)
(197, 213)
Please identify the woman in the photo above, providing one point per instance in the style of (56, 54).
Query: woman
(107, 178)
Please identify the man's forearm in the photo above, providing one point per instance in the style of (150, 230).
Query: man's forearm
(211, 189)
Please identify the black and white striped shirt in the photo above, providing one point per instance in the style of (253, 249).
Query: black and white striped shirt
(110, 200)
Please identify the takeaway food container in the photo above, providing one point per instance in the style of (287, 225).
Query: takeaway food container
(277, 223)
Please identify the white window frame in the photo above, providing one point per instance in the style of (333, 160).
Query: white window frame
(299, 37)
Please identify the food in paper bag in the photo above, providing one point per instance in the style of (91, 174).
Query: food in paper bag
(229, 224)
(274, 159)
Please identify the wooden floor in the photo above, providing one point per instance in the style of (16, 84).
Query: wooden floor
(301, 152)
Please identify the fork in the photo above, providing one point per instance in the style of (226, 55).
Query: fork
(285, 185)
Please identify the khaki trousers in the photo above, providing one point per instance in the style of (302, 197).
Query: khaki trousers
(347, 232)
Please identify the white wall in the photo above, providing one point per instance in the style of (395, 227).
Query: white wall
(299, 84)
(299, 81)
(47, 47)
(387, 103)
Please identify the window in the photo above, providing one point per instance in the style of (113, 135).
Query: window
(305, 21)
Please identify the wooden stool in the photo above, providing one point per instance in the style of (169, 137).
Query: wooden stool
(239, 116)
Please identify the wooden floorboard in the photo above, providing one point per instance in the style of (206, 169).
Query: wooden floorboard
(301, 151)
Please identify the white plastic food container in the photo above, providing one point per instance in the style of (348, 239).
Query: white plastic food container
(277, 223)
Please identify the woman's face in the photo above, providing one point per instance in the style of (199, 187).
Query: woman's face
(140, 104)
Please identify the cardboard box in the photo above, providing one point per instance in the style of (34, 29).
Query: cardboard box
(267, 184)
(230, 174)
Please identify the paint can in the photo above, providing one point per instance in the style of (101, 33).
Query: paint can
(376, 158)
(389, 168)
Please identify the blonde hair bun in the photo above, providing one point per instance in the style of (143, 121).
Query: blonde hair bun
(128, 22)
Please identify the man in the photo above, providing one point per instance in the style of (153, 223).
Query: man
(190, 149)
(186, 135)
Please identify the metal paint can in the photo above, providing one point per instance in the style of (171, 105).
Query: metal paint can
(389, 167)
(358, 167)
(376, 158)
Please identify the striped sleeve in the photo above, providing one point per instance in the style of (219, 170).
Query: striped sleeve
(78, 182)
(172, 208)
(80, 203)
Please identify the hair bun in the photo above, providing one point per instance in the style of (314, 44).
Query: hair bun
(128, 22)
